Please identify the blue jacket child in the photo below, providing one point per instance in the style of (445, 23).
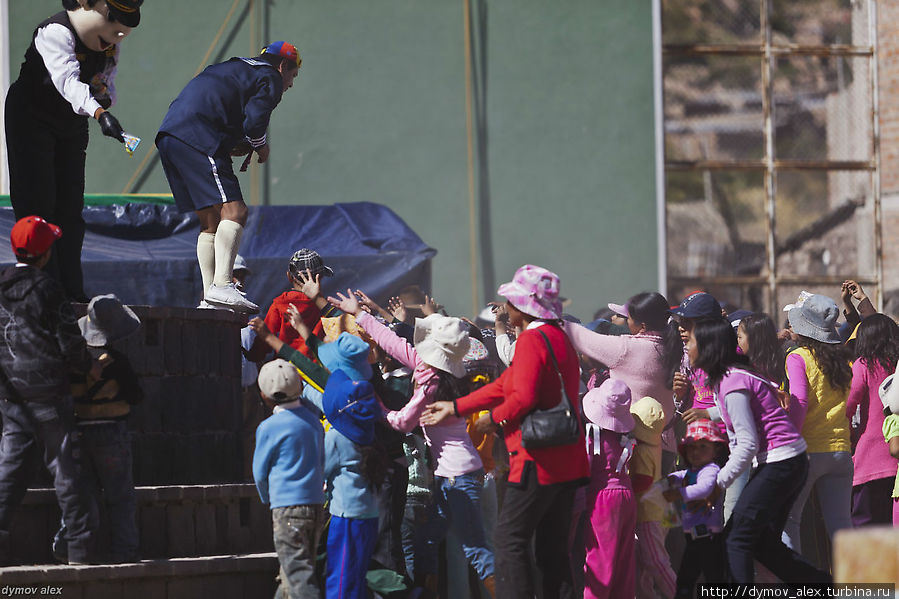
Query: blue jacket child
(288, 466)
(353, 469)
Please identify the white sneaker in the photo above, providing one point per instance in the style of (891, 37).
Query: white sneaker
(230, 297)
(204, 305)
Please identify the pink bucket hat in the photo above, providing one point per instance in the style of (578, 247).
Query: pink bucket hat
(619, 309)
(609, 406)
(534, 291)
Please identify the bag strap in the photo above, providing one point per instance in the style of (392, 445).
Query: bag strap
(552, 354)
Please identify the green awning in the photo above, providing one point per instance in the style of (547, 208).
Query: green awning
(110, 199)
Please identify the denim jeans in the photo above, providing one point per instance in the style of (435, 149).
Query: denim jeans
(296, 531)
(391, 506)
(418, 553)
(53, 425)
(457, 579)
(732, 493)
(457, 503)
(830, 475)
(106, 463)
(755, 527)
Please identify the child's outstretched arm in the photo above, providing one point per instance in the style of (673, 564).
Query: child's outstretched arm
(312, 373)
(262, 332)
(372, 306)
(392, 343)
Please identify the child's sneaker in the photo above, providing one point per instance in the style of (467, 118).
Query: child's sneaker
(230, 297)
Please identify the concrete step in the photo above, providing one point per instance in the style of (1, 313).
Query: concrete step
(219, 576)
(173, 521)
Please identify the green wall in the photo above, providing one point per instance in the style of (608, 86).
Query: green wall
(378, 114)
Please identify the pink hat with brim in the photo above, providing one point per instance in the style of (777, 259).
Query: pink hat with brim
(701, 430)
(609, 406)
(619, 309)
(534, 291)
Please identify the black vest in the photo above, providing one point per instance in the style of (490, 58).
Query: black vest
(35, 78)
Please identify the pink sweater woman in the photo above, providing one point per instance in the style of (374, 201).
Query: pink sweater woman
(877, 348)
(641, 360)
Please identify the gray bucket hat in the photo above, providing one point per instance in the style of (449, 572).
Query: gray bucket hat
(816, 319)
(107, 320)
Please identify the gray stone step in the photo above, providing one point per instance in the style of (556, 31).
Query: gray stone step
(220, 576)
(173, 521)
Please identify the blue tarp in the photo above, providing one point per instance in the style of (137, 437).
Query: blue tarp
(146, 253)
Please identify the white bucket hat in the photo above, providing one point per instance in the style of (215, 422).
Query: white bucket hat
(889, 395)
(442, 342)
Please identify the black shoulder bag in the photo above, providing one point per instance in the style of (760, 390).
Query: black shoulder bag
(555, 426)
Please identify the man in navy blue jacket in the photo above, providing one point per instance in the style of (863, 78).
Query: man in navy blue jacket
(224, 111)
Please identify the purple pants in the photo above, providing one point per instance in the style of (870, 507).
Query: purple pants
(609, 541)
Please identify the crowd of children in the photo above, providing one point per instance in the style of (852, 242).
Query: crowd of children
(760, 413)
(700, 432)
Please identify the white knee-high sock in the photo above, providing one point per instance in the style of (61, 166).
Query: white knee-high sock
(206, 258)
(227, 242)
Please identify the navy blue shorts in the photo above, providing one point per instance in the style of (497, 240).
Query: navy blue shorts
(198, 181)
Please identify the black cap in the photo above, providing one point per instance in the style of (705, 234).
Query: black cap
(698, 305)
(126, 12)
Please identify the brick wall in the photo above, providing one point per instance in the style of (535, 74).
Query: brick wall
(188, 428)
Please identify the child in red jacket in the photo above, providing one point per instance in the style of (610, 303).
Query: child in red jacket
(304, 272)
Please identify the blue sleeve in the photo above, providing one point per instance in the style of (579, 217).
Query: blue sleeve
(262, 461)
(332, 459)
(313, 396)
(260, 105)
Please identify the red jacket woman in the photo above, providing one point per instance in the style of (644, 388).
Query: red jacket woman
(542, 482)
(533, 382)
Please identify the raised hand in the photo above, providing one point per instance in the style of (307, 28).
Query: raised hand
(397, 308)
(310, 285)
(370, 306)
(258, 326)
(347, 303)
(499, 311)
(296, 321)
(262, 331)
(430, 306)
(856, 290)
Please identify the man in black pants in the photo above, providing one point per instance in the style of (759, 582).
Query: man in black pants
(68, 76)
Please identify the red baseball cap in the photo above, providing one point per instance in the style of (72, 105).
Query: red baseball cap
(32, 236)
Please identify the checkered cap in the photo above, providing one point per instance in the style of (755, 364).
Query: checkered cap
(306, 259)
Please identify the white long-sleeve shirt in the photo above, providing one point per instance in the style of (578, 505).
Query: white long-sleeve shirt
(56, 45)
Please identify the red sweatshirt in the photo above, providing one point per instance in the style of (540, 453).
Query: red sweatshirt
(531, 382)
(277, 323)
